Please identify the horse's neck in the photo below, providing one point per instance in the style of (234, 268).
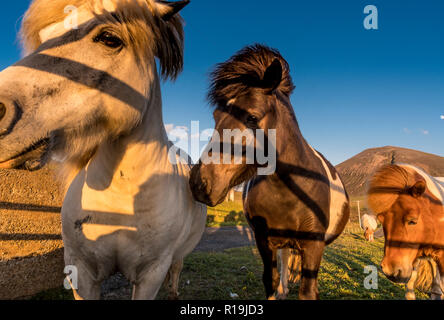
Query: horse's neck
(295, 151)
(130, 161)
(294, 156)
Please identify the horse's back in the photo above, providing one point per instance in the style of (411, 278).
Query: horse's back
(338, 200)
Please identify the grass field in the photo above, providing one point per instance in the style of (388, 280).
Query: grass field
(226, 214)
(239, 271)
(219, 275)
(231, 213)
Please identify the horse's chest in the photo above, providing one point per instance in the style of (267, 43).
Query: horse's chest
(112, 217)
(108, 201)
(104, 213)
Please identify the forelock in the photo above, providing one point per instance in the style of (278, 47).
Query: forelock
(387, 184)
(141, 25)
(245, 70)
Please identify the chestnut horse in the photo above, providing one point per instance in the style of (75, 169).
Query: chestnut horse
(425, 272)
(298, 208)
(410, 205)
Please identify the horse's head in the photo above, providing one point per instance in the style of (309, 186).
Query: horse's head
(404, 230)
(369, 224)
(369, 234)
(248, 91)
(89, 76)
(402, 209)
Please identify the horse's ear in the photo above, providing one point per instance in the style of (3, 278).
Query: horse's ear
(418, 189)
(273, 75)
(169, 9)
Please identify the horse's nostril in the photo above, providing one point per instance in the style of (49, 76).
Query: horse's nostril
(204, 186)
(2, 110)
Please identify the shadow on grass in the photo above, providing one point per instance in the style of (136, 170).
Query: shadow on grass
(225, 218)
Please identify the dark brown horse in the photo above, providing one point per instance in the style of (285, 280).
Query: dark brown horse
(300, 204)
(409, 204)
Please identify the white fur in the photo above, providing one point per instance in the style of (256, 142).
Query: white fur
(338, 198)
(231, 102)
(57, 29)
(247, 189)
(369, 221)
(433, 185)
(129, 209)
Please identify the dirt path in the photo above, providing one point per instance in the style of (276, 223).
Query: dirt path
(213, 240)
(219, 239)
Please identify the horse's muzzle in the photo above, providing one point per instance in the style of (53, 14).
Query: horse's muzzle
(396, 274)
(199, 186)
(32, 159)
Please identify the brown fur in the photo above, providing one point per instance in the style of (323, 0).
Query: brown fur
(386, 186)
(245, 70)
(294, 267)
(404, 198)
(292, 208)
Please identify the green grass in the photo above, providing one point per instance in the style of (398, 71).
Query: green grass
(231, 213)
(226, 214)
(213, 276)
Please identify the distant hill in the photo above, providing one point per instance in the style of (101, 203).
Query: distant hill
(356, 171)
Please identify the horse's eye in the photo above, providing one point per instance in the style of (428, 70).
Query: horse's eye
(412, 222)
(252, 121)
(108, 39)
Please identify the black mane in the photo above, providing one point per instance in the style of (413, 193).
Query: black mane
(244, 70)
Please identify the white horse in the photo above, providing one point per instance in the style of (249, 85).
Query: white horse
(88, 95)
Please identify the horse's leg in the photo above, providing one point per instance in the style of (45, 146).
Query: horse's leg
(148, 285)
(282, 290)
(174, 277)
(83, 281)
(439, 274)
(442, 287)
(312, 252)
(410, 287)
(271, 274)
(85, 287)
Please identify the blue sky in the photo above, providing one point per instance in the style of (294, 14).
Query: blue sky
(355, 88)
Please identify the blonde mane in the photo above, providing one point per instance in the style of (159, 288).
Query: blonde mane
(140, 23)
(386, 186)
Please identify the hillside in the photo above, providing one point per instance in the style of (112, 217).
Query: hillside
(356, 171)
